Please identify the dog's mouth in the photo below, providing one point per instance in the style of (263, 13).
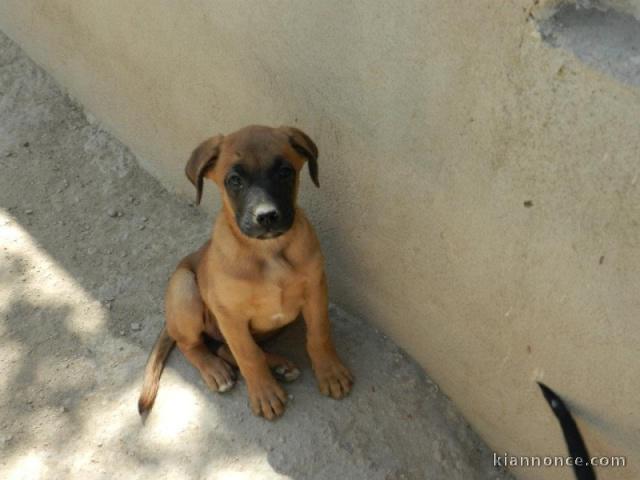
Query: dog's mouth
(261, 233)
(270, 235)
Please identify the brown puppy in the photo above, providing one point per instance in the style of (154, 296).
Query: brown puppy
(260, 269)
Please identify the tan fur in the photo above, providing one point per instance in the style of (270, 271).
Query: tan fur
(163, 346)
(238, 289)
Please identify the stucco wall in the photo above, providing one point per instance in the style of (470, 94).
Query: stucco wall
(436, 122)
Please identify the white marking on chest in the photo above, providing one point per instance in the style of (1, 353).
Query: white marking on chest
(277, 317)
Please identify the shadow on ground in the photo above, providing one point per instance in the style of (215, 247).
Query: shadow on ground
(87, 243)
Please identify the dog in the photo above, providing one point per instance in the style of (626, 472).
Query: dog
(260, 269)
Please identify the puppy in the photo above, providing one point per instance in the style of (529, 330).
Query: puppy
(260, 269)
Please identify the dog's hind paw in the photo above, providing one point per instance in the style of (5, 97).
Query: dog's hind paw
(286, 373)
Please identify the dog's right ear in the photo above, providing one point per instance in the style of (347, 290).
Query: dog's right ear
(202, 159)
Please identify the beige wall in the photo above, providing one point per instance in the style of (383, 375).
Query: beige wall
(436, 120)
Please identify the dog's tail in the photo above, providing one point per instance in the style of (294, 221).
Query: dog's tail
(153, 370)
(577, 449)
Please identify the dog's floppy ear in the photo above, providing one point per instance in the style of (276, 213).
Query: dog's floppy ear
(302, 144)
(202, 159)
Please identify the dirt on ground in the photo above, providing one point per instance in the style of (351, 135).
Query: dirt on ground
(87, 242)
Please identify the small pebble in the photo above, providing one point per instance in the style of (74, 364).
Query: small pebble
(28, 211)
(26, 144)
(112, 213)
(63, 409)
(135, 326)
(122, 333)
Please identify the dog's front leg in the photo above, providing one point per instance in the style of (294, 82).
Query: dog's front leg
(333, 377)
(266, 396)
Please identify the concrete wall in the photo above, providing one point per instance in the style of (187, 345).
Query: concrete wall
(436, 122)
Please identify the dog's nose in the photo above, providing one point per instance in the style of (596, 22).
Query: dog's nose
(267, 216)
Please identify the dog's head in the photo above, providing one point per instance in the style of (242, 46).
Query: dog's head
(257, 170)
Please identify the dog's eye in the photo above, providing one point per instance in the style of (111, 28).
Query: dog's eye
(285, 173)
(234, 181)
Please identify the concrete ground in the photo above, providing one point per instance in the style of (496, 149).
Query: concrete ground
(87, 241)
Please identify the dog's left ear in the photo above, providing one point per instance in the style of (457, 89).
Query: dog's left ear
(302, 144)
(202, 159)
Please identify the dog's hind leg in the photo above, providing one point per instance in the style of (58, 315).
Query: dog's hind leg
(185, 312)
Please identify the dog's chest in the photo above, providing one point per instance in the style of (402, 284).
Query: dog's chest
(278, 298)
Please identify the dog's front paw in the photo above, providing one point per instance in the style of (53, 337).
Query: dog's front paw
(334, 379)
(267, 398)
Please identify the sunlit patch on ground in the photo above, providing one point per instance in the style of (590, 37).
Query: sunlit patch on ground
(179, 408)
(235, 474)
(27, 467)
(27, 270)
